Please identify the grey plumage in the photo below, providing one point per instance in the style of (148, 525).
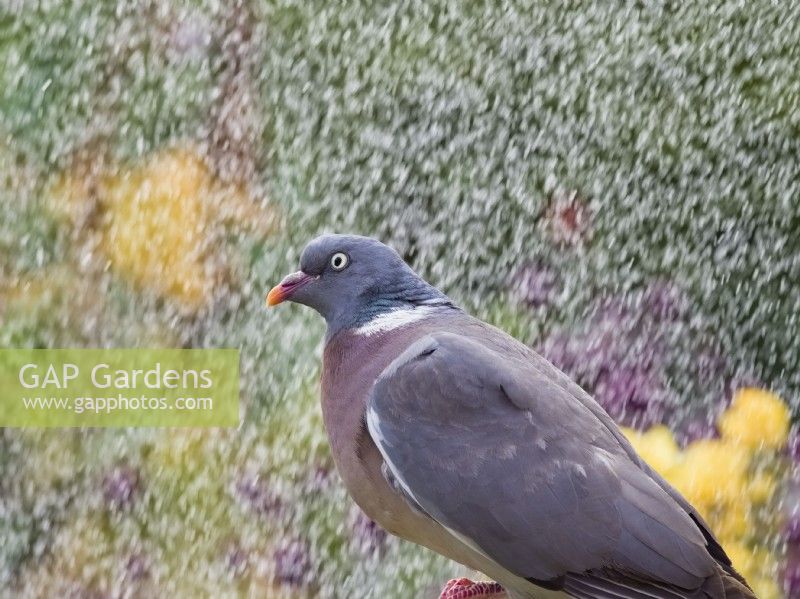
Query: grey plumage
(454, 435)
(511, 458)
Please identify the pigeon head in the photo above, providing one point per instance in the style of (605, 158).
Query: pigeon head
(351, 279)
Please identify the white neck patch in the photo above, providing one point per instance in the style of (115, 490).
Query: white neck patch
(394, 320)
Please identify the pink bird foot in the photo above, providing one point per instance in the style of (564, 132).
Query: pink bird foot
(464, 588)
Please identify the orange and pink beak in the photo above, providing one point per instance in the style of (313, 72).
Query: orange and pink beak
(284, 290)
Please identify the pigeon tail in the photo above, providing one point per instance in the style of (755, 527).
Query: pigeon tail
(724, 583)
(727, 585)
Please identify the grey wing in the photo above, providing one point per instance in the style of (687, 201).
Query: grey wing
(713, 544)
(515, 466)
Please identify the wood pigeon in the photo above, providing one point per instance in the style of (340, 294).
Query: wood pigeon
(452, 434)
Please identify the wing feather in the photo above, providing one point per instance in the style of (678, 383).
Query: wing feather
(507, 458)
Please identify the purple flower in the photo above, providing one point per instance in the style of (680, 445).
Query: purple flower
(320, 479)
(292, 563)
(663, 301)
(535, 284)
(78, 591)
(136, 567)
(625, 381)
(793, 445)
(615, 314)
(365, 533)
(695, 429)
(631, 396)
(629, 351)
(120, 487)
(791, 579)
(560, 350)
(236, 559)
(710, 368)
(792, 530)
(254, 492)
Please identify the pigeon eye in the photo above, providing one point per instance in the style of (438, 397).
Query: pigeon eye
(339, 261)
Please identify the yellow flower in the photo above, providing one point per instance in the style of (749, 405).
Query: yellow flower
(733, 522)
(761, 487)
(712, 472)
(159, 223)
(657, 447)
(157, 227)
(765, 588)
(742, 558)
(756, 419)
(756, 565)
(764, 562)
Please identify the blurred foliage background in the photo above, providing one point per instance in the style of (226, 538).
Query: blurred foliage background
(617, 184)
